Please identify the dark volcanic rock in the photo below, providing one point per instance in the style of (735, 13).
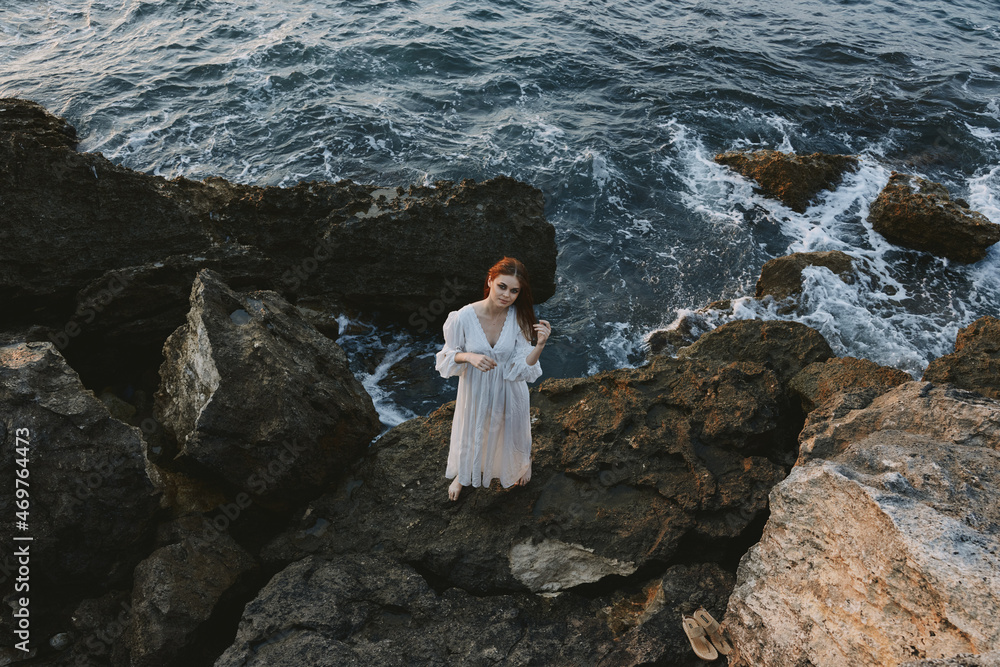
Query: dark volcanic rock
(176, 592)
(91, 501)
(919, 214)
(30, 118)
(258, 396)
(631, 469)
(782, 276)
(68, 219)
(975, 363)
(367, 609)
(795, 180)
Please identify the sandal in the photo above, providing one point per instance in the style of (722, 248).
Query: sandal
(699, 640)
(713, 630)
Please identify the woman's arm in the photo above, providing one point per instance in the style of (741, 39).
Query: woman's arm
(543, 330)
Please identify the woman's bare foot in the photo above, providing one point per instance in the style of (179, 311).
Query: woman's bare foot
(454, 490)
(521, 482)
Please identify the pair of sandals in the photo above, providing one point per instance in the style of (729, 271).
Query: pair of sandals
(705, 635)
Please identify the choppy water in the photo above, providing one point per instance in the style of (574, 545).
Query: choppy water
(613, 108)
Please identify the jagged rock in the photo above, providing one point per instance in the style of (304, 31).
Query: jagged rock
(975, 363)
(990, 659)
(782, 277)
(376, 249)
(885, 553)
(91, 503)
(943, 412)
(31, 118)
(647, 624)
(364, 609)
(864, 380)
(795, 180)
(631, 468)
(919, 214)
(258, 396)
(784, 347)
(177, 591)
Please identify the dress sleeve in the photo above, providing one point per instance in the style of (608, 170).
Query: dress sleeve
(517, 368)
(454, 342)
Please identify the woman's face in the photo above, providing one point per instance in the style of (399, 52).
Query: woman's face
(504, 290)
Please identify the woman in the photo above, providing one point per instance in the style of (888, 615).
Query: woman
(488, 345)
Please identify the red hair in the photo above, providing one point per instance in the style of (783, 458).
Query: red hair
(508, 266)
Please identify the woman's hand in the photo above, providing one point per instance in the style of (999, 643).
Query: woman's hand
(480, 361)
(542, 331)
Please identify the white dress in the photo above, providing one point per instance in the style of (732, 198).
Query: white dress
(491, 430)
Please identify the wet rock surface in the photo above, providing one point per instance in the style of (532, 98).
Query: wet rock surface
(795, 180)
(975, 363)
(782, 277)
(916, 213)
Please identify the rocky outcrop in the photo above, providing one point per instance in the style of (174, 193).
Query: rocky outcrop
(795, 180)
(361, 609)
(784, 347)
(631, 468)
(89, 502)
(259, 397)
(845, 380)
(366, 609)
(782, 277)
(919, 214)
(886, 551)
(975, 363)
(385, 249)
(31, 119)
(942, 412)
(176, 591)
(990, 659)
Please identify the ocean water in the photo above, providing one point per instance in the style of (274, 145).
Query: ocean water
(613, 108)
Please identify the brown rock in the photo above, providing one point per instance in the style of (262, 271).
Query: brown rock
(990, 659)
(782, 276)
(793, 179)
(975, 363)
(919, 214)
(784, 347)
(942, 412)
(818, 382)
(630, 469)
(886, 553)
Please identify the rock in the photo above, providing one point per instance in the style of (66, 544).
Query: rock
(91, 503)
(631, 469)
(647, 624)
(990, 659)
(784, 347)
(919, 214)
(178, 590)
(259, 397)
(885, 553)
(782, 277)
(377, 249)
(30, 118)
(363, 609)
(943, 412)
(865, 380)
(795, 180)
(975, 363)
